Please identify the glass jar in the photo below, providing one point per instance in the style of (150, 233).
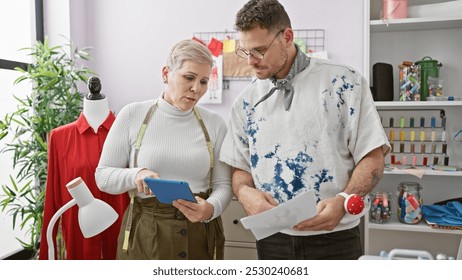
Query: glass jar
(409, 203)
(380, 211)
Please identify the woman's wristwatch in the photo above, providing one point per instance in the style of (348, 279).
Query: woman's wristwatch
(354, 204)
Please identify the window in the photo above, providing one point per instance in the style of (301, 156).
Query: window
(17, 30)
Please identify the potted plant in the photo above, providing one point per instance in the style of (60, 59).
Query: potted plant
(54, 101)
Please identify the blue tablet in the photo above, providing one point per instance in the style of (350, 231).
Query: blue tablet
(167, 191)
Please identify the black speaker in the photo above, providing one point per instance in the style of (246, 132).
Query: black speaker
(382, 80)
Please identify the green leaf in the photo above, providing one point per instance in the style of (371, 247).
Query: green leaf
(25, 189)
(26, 219)
(25, 245)
(50, 84)
(15, 187)
(53, 101)
(20, 79)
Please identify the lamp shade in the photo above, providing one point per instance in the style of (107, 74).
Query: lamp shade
(94, 215)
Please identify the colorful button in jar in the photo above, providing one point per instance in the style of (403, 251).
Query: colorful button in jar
(380, 211)
(409, 203)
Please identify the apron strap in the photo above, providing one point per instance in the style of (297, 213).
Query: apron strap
(132, 193)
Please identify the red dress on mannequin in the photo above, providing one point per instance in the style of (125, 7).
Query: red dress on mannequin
(74, 150)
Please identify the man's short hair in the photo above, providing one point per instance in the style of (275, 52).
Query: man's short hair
(267, 14)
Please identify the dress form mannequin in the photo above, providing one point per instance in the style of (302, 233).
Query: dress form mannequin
(95, 104)
(66, 145)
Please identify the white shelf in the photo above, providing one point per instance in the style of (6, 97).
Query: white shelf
(428, 171)
(393, 40)
(420, 227)
(416, 104)
(414, 24)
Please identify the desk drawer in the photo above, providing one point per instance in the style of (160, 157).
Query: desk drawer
(240, 251)
(234, 231)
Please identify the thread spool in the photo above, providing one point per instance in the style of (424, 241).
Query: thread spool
(394, 9)
(433, 122)
(422, 148)
(446, 160)
(402, 135)
(435, 160)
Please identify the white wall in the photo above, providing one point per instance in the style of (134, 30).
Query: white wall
(131, 39)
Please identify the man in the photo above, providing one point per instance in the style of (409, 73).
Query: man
(304, 124)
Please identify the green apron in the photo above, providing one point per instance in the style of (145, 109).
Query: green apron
(153, 230)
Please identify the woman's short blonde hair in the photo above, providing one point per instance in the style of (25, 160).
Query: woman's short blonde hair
(188, 50)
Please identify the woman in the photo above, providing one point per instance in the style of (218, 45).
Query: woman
(179, 142)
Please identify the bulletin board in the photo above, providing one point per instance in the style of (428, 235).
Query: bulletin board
(311, 41)
(230, 67)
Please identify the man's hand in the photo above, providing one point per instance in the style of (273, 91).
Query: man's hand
(364, 178)
(330, 212)
(255, 201)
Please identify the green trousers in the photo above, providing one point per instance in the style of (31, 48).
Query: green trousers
(161, 232)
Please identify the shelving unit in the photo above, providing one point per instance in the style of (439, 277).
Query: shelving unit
(395, 225)
(388, 236)
(411, 39)
(407, 24)
(395, 40)
(428, 172)
(416, 104)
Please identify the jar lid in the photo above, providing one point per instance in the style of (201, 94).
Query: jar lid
(380, 193)
(409, 185)
(428, 61)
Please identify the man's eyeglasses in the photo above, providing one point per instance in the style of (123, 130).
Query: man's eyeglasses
(253, 52)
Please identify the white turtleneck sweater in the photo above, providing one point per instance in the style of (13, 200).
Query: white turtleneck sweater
(173, 146)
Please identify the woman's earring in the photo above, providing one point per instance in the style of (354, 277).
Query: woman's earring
(165, 81)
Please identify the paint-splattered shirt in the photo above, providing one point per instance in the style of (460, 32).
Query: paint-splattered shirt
(331, 126)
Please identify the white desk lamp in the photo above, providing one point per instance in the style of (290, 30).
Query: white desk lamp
(94, 215)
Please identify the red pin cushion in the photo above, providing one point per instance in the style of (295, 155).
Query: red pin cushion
(354, 204)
